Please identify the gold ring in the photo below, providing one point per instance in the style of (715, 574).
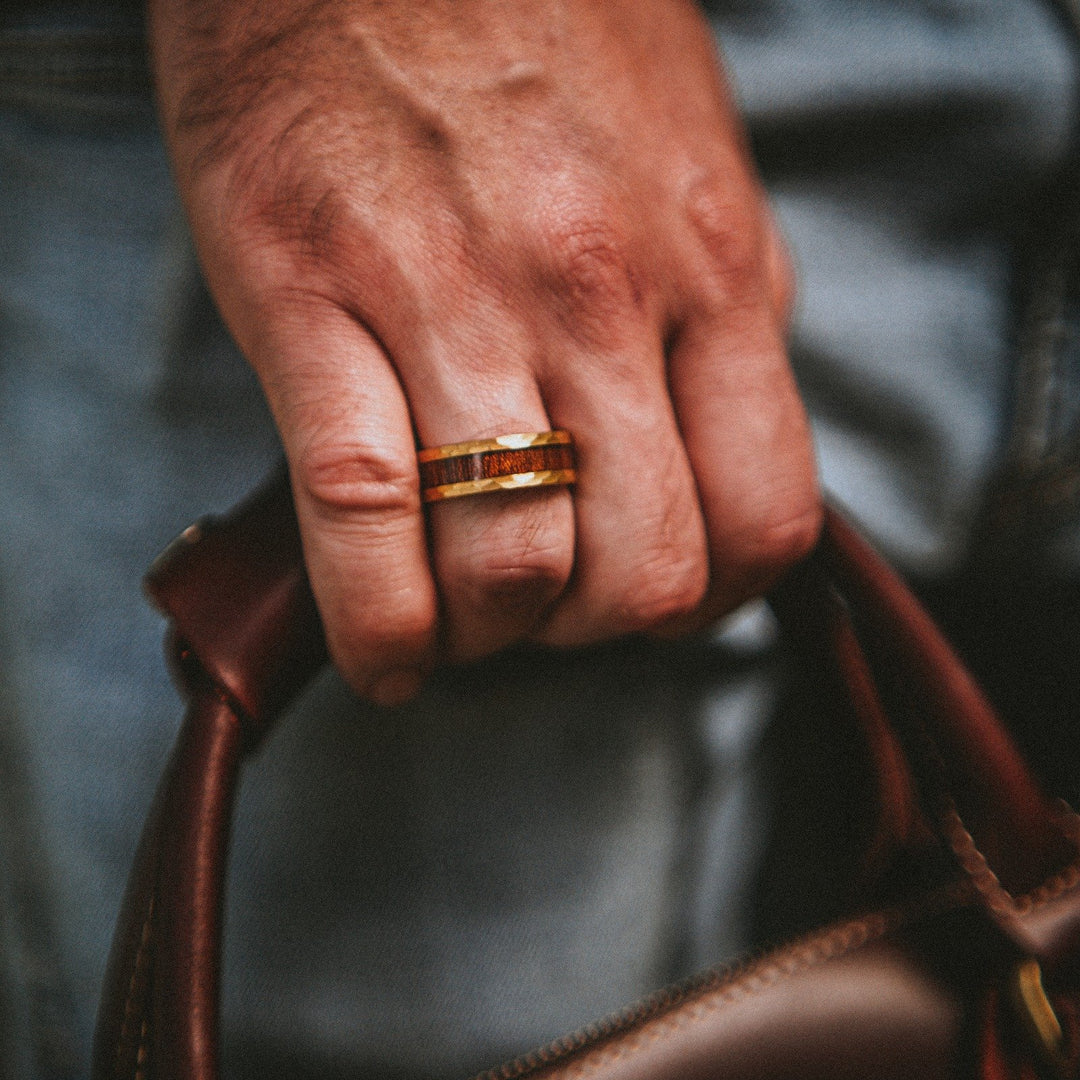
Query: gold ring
(505, 463)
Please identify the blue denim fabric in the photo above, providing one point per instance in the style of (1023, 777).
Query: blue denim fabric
(429, 890)
(904, 144)
(102, 455)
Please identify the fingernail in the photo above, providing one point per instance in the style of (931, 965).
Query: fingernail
(395, 687)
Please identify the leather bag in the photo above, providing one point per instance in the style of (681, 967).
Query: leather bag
(959, 955)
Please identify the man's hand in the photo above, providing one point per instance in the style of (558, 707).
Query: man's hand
(429, 221)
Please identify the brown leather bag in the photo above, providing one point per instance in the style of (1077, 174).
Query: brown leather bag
(965, 960)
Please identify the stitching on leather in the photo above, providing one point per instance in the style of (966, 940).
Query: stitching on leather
(974, 864)
(137, 983)
(723, 986)
(831, 945)
(1054, 888)
(1001, 901)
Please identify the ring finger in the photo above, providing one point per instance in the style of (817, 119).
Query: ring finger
(500, 559)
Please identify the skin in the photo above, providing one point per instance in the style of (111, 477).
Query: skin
(429, 221)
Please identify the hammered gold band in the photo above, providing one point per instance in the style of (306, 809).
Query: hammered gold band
(505, 463)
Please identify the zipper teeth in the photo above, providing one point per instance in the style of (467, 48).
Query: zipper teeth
(730, 981)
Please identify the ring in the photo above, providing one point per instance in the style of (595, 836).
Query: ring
(505, 463)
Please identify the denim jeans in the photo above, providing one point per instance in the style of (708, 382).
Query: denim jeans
(430, 889)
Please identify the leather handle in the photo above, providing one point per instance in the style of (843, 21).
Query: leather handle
(237, 595)
(239, 601)
(993, 793)
(246, 638)
(159, 1012)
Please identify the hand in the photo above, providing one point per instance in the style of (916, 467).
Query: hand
(429, 222)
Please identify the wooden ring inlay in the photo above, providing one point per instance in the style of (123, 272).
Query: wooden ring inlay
(508, 462)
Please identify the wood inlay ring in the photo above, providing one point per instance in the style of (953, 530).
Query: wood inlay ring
(505, 463)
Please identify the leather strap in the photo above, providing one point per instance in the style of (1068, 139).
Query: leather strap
(246, 639)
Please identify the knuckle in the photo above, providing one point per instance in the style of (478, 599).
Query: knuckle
(665, 587)
(725, 219)
(521, 589)
(358, 478)
(794, 538)
(589, 269)
(778, 540)
(301, 209)
(589, 259)
(313, 224)
(669, 576)
(519, 579)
